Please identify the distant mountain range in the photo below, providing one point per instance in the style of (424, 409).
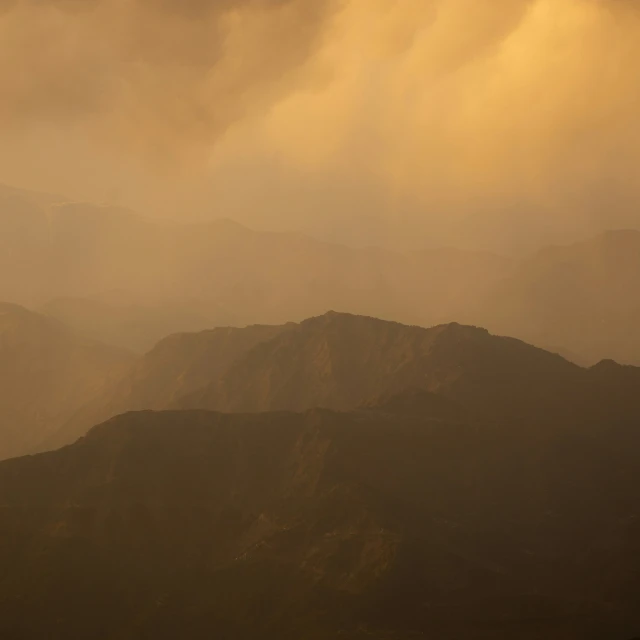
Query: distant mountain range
(581, 297)
(79, 250)
(121, 278)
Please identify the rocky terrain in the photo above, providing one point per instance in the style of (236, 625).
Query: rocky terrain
(401, 520)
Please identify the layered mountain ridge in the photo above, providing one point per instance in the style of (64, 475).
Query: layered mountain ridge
(323, 524)
(82, 251)
(341, 477)
(123, 278)
(342, 362)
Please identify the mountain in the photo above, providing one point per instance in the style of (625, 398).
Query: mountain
(582, 298)
(52, 250)
(340, 361)
(377, 523)
(68, 259)
(176, 366)
(47, 372)
(343, 362)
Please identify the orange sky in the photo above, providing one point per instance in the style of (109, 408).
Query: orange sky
(483, 121)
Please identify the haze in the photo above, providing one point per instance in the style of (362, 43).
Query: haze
(505, 125)
(319, 319)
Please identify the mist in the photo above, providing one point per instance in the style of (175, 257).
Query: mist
(461, 137)
(492, 124)
(319, 319)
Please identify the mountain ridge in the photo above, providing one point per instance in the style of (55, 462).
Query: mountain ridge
(322, 524)
(343, 362)
(578, 298)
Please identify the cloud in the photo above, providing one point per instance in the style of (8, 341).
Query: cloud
(468, 109)
(159, 75)
(485, 95)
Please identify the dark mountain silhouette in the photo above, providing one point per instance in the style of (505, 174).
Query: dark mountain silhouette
(46, 373)
(369, 524)
(344, 362)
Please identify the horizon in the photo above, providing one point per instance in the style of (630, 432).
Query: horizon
(516, 251)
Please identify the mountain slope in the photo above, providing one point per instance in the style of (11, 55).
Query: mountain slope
(176, 366)
(323, 525)
(579, 299)
(80, 251)
(582, 298)
(335, 360)
(46, 374)
(340, 361)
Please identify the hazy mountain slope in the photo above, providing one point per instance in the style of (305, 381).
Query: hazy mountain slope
(579, 299)
(39, 198)
(79, 250)
(131, 325)
(341, 361)
(335, 360)
(324, 525)
(176, 366)
(23, 245)
(583, 298)
(46, 374)
(184, 362)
